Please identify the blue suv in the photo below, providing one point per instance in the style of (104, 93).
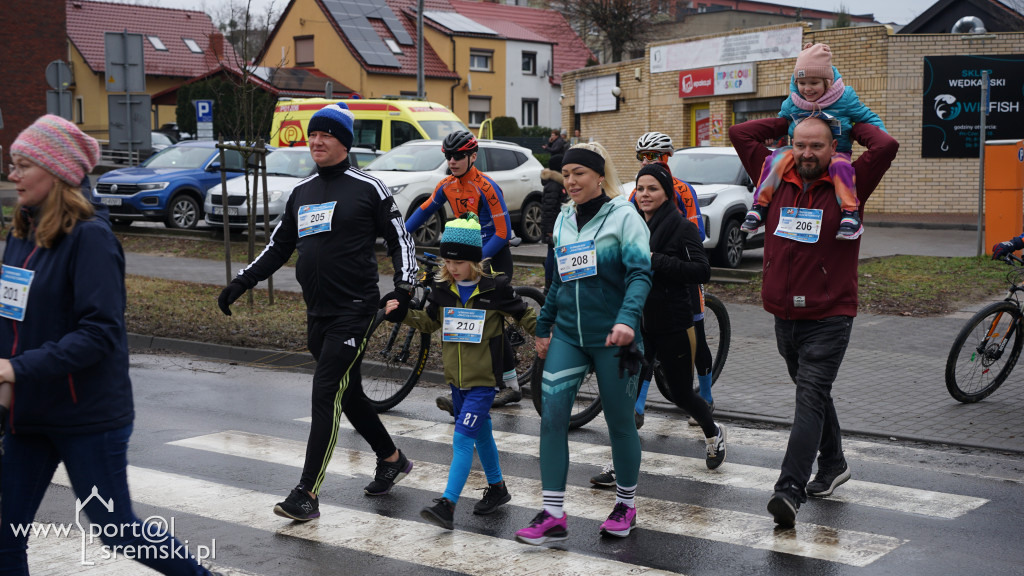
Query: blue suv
(170, 187)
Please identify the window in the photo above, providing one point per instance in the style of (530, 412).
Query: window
(499, 159)
(157, 43)
(79, 111)
(480, 60)
(479, 110)
(393, 45)
(367, 133)
(529, 112)
(402, 132)
(304, 51)
(529, 63)
(192, 46)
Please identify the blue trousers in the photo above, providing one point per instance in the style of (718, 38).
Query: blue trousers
(813, 350)
(97, 465)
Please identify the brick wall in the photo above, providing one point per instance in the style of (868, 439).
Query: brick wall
(886, 71)
(33, 34)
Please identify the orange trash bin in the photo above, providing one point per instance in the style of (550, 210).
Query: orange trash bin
(1004, 191)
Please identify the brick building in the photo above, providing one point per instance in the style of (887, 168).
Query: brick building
(887, 71)
(34, 34)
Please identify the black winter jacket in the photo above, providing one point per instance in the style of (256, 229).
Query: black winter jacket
(337, 269)
(552, 199)
(677, 260)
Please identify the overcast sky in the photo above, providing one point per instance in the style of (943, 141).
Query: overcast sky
(897, 11)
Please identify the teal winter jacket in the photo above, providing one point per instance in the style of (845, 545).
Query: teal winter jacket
(848, 109)
(583, 311)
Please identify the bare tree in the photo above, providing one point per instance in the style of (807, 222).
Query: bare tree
(843, 19)
(245, 28)
(621, 23)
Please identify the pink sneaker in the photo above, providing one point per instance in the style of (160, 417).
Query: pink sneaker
(620, 522)
(544, 528)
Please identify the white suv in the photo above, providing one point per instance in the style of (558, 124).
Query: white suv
(412, 171)
(725, 194)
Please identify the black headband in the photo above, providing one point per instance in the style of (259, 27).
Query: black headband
(584, 157)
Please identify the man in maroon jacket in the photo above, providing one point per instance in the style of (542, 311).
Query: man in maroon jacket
(810, 285)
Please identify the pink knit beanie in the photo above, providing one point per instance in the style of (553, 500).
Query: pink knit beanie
(815, 61)
(59, 147)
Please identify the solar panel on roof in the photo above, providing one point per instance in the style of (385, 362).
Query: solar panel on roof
(351, 16)
(458, 23)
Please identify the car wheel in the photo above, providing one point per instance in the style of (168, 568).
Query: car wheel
(429, 234)
(530, 227)
(183, 212)
(729, 252)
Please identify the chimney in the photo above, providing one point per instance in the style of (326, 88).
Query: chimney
(217, 45)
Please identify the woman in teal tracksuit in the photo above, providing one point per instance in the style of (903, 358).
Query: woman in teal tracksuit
(591, 317)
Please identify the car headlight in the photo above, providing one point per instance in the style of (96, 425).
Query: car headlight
(396, 190)
(275, 195)
(154, 186)
(703, 201)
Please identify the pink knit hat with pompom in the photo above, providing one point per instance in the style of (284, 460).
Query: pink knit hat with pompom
(58, 147)
(815, 61)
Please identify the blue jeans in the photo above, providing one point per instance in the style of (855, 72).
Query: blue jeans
(813, 350)
(97, 466)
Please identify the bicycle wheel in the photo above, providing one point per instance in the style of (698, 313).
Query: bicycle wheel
(522, 340)
(393, 361)
(717, 331)
(588, 400)
(984, 352)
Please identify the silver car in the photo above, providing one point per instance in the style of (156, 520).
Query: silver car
(286, 167)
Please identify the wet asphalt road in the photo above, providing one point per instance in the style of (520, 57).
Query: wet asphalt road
(215, 445)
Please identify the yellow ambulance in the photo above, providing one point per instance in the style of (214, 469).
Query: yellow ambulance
(380, 124)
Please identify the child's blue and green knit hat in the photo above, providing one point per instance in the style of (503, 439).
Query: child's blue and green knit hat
(461, 239)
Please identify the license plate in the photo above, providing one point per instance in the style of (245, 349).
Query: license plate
(220, 210)
(110, 201)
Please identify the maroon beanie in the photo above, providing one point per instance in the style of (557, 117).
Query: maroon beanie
(815, 61)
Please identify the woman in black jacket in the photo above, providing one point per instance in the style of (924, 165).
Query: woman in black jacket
(677, 259)
(551, 202)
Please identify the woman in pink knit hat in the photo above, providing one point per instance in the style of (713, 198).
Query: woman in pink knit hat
(64, 351)
(817, 89)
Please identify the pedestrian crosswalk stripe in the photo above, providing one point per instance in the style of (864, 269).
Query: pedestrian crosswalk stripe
(897, 498)
(731, 527)
(403, 540)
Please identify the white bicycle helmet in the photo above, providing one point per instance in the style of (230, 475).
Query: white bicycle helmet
(655, 141)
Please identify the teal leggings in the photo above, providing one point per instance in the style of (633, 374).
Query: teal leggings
(566, 366)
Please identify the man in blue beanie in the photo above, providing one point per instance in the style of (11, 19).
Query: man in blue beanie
(333, 218)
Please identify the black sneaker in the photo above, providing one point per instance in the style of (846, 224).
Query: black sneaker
(850, 227)
(387, 475)
(494, 495)
(638, 418)
(441, 513)
(753, 220)
(605, 479)
(783, 508)
(506, 396)
(445, 403)
(715, 449)
(825, 483)
(298, 506)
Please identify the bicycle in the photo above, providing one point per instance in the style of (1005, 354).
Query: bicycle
(979, 361)
(396, 355)
(586, 407)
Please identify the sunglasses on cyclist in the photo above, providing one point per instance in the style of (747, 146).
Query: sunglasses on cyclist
(455, 155)
(649, 156)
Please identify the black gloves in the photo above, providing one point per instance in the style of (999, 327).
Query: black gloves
(999, 251)
(402, 293)
(631, 359)
(229, 294)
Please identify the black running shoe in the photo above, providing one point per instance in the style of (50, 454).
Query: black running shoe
(494, 495)
(441, 513)
(825, 483)
(445, 404)
(783, 508)
(387, 475)
(298, 506)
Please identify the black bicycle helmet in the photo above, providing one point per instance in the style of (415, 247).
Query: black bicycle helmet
(460, 141)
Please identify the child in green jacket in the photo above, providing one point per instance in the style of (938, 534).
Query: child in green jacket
(469, 307)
